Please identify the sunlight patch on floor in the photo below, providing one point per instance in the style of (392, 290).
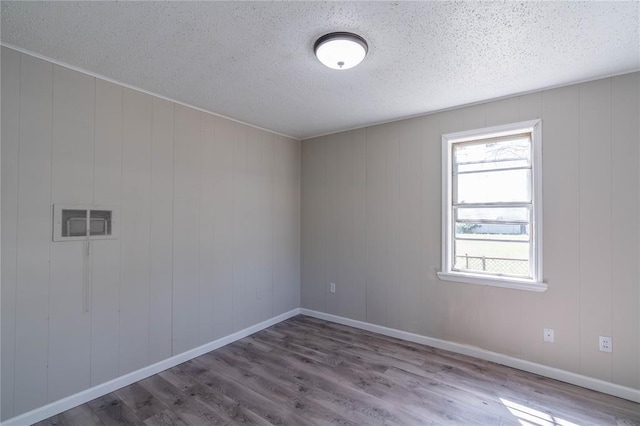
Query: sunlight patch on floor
(529, 416)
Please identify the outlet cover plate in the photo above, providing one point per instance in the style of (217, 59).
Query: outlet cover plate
(549, 335)
(606, 344)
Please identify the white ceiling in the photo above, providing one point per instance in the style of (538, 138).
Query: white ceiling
(253, 61)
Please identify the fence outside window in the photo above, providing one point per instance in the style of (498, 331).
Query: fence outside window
(497, 265)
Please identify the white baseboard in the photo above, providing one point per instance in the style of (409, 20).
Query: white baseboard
(79, 398)
(520, 364)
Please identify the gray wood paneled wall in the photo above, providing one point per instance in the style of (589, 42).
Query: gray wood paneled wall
(371, 215)
(209, 239)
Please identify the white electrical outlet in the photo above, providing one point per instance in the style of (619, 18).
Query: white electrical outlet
(549, 335)
(332, 288)
(606, 344)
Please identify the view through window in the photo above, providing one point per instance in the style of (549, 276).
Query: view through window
(492, 206)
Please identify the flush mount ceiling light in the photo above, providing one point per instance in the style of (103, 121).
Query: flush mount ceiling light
(341, 50)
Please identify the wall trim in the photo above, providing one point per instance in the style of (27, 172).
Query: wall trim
(532, 367)
(129, 86)
(87, 395)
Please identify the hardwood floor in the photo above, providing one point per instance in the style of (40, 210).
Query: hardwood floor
(308, 371)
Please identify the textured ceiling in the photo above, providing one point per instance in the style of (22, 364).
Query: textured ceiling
(253, 61)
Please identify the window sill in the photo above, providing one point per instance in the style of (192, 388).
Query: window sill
(512, 283)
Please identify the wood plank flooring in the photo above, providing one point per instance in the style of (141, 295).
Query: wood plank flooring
(308, 371)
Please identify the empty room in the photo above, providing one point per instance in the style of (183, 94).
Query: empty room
(316, 213)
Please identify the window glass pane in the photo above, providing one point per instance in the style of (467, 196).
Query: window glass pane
(492, 154)
(492, 231)
(74, 223)
(502, 258)
(493, 187)
(494, 214)
(100, 222)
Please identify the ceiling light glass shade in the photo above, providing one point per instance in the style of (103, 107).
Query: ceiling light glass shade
(341, 51)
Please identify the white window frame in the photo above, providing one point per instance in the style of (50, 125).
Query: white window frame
(448, 273)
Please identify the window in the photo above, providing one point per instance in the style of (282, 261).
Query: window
(492, 206)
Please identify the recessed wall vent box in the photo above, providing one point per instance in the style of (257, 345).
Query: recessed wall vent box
(76, 223)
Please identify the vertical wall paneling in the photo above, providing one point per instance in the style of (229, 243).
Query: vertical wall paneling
(105, 267)
(377, 288)
(223, 223)
(473, 117)
(333, 212)
(239, 242)
(73, 130)
(259, 225)
(504, 111)
(10, 153)
(501, 325)
(105, 285)
(431, 320)
(625, 211)
(313, 292)
(72, 183)
(70, 326)
(34, 234)
(409, 197)
(186, 216)
(393, 226)
(161, 235)
(358, 286)
(344, 229)
(207, 232)
(107, 174)
(293, 168)
(264, 286)
(255, 218)
(134, 231)
(285, 220)
(561, 246)
(595, 225)
(107, 187)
